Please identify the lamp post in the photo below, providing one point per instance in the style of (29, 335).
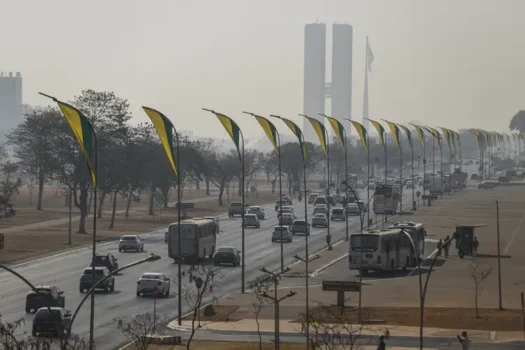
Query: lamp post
(276, 301)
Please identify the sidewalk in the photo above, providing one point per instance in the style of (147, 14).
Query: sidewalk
(249, 326)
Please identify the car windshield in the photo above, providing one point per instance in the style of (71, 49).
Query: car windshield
(128, 238)
(249, 216)
(236, 205)
(278, 228)
(255, 208)
(226, 250)
(97, 271)
(299, 223)
(319, 216)
(337, 211)
(366, 242)
(44, 313)
(150, 277)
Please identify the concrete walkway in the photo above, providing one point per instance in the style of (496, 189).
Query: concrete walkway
(288, 326)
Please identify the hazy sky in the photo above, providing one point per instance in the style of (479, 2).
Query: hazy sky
(451, 63)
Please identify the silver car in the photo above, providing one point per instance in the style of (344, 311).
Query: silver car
(321, 209)
(251, 220)
(319, 219)
(282, 234)
(338, 214)
(257, 211)
(153, 282)
(353, 209)
(131, 242)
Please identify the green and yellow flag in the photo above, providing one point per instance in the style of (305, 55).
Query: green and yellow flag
(164, 129)
(297, 132)
(478, 135)
(435, 133)
(363, 134)
(420, 134)
(84, 133)
(338, 129)
(320, 130)
(409, 135)
(233, 130)
(380, 131)
(270, 131)
(394, 129)
(448, 136)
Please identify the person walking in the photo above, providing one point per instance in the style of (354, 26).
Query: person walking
(447, 245)
(475, 245)
(440, 246)
(381, 345)
(464, 340)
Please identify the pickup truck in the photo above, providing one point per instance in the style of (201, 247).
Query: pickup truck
(87, 281)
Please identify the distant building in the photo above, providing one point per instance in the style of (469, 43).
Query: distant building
(341, 86)
(316, 88)
(10, 100)
(314, 75)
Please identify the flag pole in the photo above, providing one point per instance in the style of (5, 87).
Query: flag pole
(179, 254)
(346, 178)
(93, 248)
(401, 174)
(242, 217)
(280, 199)
(368, 179)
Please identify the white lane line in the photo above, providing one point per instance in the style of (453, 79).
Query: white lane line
(430, 256)
(514, 234)
(321, 269)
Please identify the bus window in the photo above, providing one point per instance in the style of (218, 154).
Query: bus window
(368, 243)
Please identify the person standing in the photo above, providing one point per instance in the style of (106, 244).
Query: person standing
(464, 340)
(381, 345)
(439, 247)
(447, 245)
(475, 245)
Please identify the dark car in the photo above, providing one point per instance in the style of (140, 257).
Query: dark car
(106, 260)
(330, 200)
(280, 203)
(87, 281)
(300, 226)
(227, 255)
(235, 208)
(43, 296)
(56, 322)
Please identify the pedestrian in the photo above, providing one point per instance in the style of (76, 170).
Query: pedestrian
(464, 340)
(475, 245)
(381, 345)
(440, 246)
(447, 245)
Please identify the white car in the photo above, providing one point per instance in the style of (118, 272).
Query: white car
(320, 219)
(338, 214)
(257, 211)
(151, 281)
(284, 235)
(321, 209)
(353, 209)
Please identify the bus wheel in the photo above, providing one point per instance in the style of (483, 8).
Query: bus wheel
(406, 264)
(392, 264)
(364, 272)
(414, 262)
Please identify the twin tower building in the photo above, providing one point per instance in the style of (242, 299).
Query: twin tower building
(316, 87)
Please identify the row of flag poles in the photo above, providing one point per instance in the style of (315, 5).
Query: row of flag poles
(86, 137)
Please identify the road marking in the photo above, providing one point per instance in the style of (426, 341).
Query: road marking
(333, 262)
(428, 257)
(514, 234)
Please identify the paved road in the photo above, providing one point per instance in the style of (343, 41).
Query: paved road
(64, 271)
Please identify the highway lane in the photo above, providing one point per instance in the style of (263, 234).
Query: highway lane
(64, 271)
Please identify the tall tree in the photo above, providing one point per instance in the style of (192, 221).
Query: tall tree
(33, 148)
(518, 122)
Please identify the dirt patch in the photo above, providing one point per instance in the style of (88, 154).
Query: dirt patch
(226, 345)
(453, 318)
(223, 313)
(38, 240)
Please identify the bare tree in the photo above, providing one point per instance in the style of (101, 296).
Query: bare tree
(334, 329)
(479, 273)
(11, 338)
(140, 329)
(202, 281)
(260, 286)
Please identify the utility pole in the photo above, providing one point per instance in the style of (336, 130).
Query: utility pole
(306, 260)
(276, 300)
(499, 258)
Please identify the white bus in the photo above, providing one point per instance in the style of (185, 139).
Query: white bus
(198, 239)
(417, 232)
(386, 199)
(382, 250)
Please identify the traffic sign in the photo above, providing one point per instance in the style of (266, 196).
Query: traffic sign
(341, 286)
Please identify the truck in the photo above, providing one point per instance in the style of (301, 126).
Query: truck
(434, 184)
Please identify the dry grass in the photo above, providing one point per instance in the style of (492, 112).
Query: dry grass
(30, 242)
(453, 318)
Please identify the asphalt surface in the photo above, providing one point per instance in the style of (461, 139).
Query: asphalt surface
(64, 271)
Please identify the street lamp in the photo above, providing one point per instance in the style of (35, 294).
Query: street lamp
(277, 300)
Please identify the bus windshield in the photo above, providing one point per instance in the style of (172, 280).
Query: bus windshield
(368, 243)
